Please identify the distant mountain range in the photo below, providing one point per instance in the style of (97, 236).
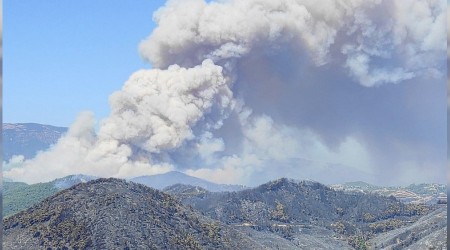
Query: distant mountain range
(161, 181)
(28, 138)
(19, 196)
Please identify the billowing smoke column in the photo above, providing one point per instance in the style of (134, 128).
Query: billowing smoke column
(159, 107)
(214, 62)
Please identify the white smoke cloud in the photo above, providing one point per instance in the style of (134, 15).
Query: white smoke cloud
(14, 162)
(211, 59)
(234, 170)
(155, 111)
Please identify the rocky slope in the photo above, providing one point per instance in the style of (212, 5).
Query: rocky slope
(116, 214)
(28, 138)
(286, 206)
(429, 232)
(285, 200)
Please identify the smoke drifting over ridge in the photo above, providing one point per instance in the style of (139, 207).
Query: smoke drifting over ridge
(248, 90)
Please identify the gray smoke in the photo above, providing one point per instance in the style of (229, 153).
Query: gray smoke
(244, 91)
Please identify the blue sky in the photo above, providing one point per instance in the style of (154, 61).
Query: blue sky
(63, 57)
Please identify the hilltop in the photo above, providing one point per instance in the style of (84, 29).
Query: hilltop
(19, 196)
(111, 214)
(285, 207)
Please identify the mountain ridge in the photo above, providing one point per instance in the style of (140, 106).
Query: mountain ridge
(28, 139)
(284, 213)
(93, 215)
(284, 206)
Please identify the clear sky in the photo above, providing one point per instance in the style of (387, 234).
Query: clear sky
(63, 56)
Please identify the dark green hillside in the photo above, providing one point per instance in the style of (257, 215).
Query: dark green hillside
(18, 196)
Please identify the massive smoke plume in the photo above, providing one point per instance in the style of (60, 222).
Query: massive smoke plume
(244, 91)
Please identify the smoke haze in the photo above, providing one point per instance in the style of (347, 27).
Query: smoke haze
(247, 91)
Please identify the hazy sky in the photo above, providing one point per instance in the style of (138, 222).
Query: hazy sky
(242, 91)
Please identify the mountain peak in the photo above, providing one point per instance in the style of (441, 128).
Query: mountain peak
(174, 172)
(112, 213)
